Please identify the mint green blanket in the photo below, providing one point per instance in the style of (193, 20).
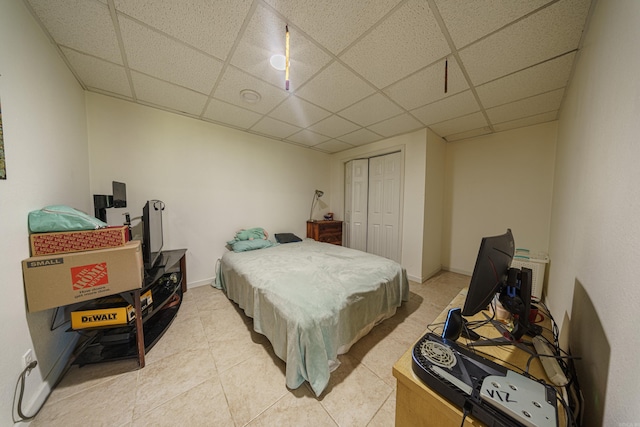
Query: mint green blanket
(313, 301)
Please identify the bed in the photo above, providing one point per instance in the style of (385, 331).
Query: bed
(312, 300)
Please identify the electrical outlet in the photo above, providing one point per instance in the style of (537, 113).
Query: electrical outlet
(27, 358)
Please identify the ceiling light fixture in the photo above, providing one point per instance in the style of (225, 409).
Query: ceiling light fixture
(250, 96)
(279, 62)
(446, 74)
(286, 54)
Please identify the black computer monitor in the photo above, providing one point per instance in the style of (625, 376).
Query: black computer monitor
(490, 272)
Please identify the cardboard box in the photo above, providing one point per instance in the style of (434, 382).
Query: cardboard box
(78, 241)
(109, 311)
(57, 280)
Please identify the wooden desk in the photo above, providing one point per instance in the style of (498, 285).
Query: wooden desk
(419, 405)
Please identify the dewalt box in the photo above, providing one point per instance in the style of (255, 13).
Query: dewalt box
(109, 311)
(77, 241)
(63, 279)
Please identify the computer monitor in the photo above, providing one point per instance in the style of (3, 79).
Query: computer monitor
(490, 272)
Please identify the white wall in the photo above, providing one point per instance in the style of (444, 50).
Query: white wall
(47, 163)
(213, 180)
(595, 229)
(414, 147)
(494, 182)
(433, 205)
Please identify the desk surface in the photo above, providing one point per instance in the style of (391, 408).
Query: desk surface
(419, 405)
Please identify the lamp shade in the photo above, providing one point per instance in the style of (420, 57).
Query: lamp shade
(316, 195)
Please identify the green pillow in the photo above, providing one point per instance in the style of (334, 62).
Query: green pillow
(250, 245)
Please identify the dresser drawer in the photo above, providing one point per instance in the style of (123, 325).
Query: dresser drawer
(325, 231)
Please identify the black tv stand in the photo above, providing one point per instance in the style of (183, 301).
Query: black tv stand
(167, 283)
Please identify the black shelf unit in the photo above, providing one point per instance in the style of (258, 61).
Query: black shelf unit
(168, 284)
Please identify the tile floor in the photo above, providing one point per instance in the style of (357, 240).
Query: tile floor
(211, 369)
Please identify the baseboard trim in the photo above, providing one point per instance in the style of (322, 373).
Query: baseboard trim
(200, 283)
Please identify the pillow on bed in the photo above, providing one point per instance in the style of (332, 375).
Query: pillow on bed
(250, 245)
(287, 238)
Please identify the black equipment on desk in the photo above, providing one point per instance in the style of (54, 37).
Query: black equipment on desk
(492, 393)
(492, 275)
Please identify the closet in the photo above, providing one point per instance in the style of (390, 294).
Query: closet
(373, 189)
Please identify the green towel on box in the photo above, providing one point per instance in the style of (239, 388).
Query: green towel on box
(62, 218)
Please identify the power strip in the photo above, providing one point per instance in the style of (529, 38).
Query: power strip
(550, 364)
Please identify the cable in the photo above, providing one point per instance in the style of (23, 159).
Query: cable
(466, 410)
(21, 381)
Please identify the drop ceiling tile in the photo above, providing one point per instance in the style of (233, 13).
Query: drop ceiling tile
(274, 128)
(233, 81)
(333, 23)
(159, 56)
(335, 88)
(166, 95)
(541, 78)
(553, 31)
(427, 86)
(396, 125)
(459, 124)
(486, 130)
(230, 114)
(298, 112)
(360, 137)
(538, 104)
(332, 146)
(209, 30)
(265, 37)
(408, 40)
(97, 73)
(371, 110)
(457, 105)
(307, 137)
(85, 26)
(468, 21)
(334, 126)
(527, 121)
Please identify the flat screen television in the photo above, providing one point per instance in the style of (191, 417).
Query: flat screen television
(119, 194)
(490, 272)
(152, 233)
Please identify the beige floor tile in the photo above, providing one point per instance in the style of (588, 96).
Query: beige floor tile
(208, 298)
(225, 324)
(78, 379)
(405, 331)
(169, 377)
(109, 403)
(253, 386)
(380, 355)
(354, 393)
(186, 332)
(203, 405)
(386, 415)
(296, 408)
(232, 351)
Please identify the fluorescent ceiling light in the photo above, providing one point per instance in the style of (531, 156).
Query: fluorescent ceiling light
(279, 62)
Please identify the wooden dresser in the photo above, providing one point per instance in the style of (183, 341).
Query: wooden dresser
(325, 231)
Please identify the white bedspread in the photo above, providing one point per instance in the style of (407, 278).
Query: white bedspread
(312, 301)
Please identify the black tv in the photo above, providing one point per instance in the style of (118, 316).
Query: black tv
(119, 194)
(490, 272)
(152, 238)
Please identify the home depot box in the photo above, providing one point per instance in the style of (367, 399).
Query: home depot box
(57, 280)
(77, 241)
(109, 311)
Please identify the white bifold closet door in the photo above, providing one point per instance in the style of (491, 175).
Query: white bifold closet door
(372, 205)
(356, 196)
